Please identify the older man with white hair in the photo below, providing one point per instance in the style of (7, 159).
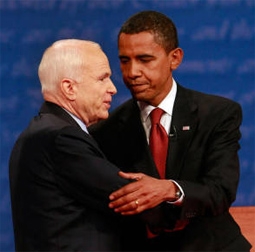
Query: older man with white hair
(60, 180)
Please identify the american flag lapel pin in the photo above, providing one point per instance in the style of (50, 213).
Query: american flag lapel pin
(185, 128)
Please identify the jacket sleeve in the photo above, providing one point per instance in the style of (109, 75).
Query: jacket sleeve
(82, 170)
(214, 189)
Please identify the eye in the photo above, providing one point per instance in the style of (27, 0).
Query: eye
(146, 59)
(104, 77)
(124, 60)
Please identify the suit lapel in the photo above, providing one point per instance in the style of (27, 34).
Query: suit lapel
(183, 127)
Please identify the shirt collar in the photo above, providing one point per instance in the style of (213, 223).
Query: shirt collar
(79, 121)
(167, 104)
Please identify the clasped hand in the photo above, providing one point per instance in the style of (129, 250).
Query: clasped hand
(144, 193)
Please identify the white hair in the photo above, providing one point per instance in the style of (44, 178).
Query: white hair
(63, 59)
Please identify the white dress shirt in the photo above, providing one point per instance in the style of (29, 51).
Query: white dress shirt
(166, 105)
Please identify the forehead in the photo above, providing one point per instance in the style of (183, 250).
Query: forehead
(97, 64)
(138, 43)
(95, 56)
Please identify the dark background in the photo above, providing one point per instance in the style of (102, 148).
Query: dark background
(217, 36)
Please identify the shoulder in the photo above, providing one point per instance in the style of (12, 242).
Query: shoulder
(119, 115)
(208, 101)
(46, 127)
(125, 108)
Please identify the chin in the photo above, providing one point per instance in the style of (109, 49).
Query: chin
(104, 116)
(140, 97)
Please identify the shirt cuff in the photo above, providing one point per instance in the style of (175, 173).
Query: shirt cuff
(180, 200)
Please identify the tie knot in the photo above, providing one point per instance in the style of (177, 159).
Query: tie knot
(155, 115)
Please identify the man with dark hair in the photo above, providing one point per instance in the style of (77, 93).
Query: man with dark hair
(184, 144)
(164, 30)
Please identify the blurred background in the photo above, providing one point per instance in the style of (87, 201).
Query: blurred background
(217, 36)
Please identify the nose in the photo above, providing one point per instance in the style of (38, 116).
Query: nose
(133, 70)
(112, 89)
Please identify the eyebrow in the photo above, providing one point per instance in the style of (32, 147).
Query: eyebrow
(105, 75)
(138, 56)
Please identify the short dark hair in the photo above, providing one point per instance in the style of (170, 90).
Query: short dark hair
(161, 26)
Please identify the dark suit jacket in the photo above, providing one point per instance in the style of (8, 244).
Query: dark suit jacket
(202, 158)
(60, 183)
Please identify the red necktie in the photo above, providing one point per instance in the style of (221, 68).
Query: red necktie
(159, 148)
(158, 141)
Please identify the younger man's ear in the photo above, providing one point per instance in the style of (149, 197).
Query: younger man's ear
(176, 57)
